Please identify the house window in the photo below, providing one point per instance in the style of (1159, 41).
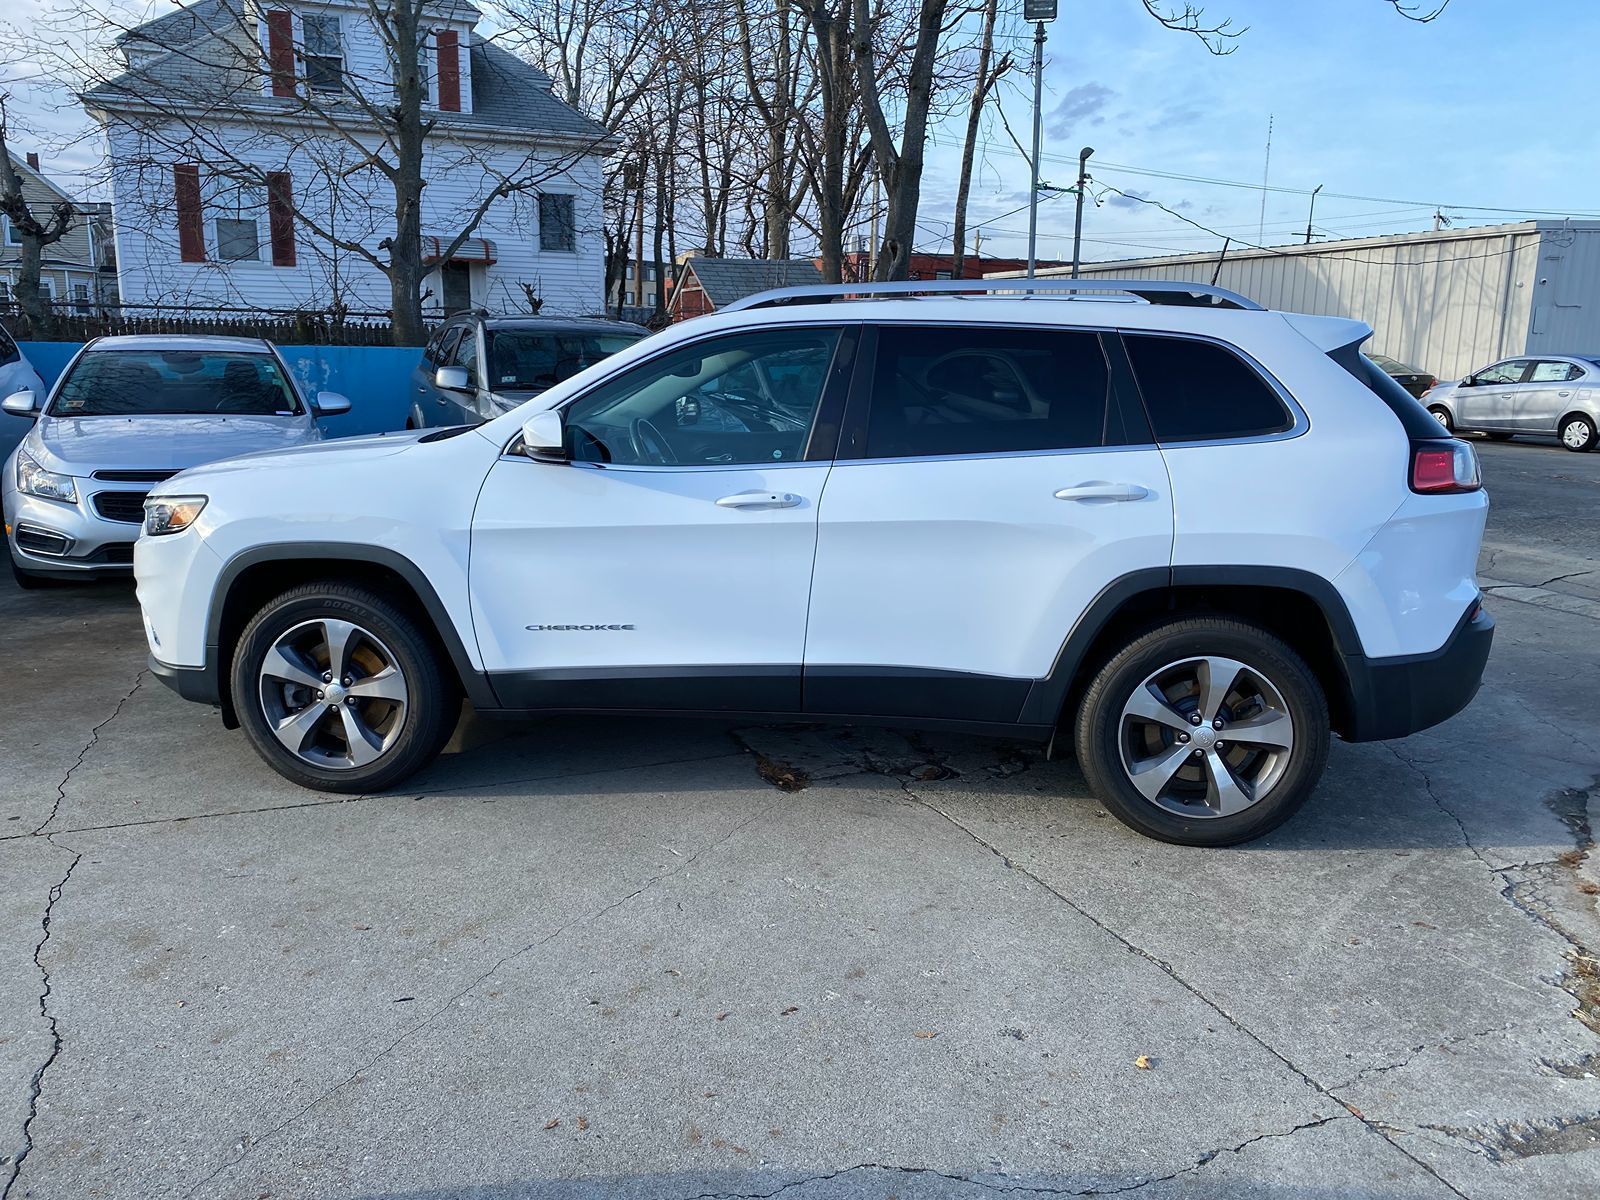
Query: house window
(5, 291)
(324, 52)
(13, 238)
(238, 240)
(557, 223)
(80, 297)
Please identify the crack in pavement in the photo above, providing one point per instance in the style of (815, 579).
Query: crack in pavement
(1172, 973)
(1413, 1051)
(1204, 1160)
(36, 1084)
(336, 800)
(94, 739)
(248, 1145)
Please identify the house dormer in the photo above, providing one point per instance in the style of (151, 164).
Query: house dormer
(330, 48)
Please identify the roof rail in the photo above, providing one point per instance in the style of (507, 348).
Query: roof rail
(1152, 291)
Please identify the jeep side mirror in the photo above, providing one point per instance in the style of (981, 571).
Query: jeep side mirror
(21, 404)
(452, 379)
(544, 437)
(331, 404)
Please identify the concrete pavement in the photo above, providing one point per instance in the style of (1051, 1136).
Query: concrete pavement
(611, 958)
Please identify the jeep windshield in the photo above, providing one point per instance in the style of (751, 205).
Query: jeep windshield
(535, 359)
(120, 383)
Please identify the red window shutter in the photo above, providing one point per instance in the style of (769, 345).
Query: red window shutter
(280, 51)
(449, 47)
(186, 200)
(280, 217)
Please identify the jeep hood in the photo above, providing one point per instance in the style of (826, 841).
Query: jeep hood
(329, 455)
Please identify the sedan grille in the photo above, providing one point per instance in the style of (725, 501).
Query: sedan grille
(121, 506)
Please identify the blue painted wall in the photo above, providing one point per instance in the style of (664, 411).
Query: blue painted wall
(376, 378)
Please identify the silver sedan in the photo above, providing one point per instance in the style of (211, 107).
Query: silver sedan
(127, 413)
(1553, 395)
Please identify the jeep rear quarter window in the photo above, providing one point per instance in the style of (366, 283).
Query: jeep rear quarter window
(1200, 391)
(939, 391)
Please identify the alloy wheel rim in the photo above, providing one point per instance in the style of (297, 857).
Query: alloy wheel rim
(333, 694)
(1206, 737)
(1443, 418)
(1575, 433)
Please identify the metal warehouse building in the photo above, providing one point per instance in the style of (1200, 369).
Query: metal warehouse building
(1447, 301)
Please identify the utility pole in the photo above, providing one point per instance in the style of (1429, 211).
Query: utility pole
(1037, 11)
(1077, 220)
(1313, 211)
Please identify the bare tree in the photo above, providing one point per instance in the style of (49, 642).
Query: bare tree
(33, 231)
(987, 76)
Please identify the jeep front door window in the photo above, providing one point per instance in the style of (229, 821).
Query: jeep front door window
(747, 399)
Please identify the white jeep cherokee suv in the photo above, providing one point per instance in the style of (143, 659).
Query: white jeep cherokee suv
(1188, 534)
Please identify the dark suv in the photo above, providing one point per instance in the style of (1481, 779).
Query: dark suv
(478, 366)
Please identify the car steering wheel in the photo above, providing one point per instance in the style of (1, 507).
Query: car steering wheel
(648, 443)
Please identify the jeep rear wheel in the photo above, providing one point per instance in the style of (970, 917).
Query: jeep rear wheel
(1204, 732)
(339, 690)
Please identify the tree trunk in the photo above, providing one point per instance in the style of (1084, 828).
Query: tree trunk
(980, 96)
(406, 269)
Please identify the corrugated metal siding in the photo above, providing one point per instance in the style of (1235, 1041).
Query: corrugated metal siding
(1447, 303)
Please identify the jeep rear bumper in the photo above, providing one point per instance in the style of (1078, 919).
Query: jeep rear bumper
(1395, 697)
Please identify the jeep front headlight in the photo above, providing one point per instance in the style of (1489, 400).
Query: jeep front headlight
(171, 514)
(34, 480)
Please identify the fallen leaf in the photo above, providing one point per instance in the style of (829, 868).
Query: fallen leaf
(1424, 925)
(552, 1122)
(926, 1033)
(722, 1016)
(1589, 889)
(790, 1011)
(583, 1123)
(708, 1095)
(1355, 1112)
(361, 927)
(1142, 1062)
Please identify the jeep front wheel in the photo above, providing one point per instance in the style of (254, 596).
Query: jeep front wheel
(339, 690)
(1204, 732)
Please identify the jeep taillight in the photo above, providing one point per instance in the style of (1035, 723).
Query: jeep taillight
(1444, 468)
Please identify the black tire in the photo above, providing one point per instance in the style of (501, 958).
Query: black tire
(1441, 414)
(1577, 433)
(1100, 730)
(433, 703)
(1499, 437)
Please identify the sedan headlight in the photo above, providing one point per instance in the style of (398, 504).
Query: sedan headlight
(171, 514)
(34, 480)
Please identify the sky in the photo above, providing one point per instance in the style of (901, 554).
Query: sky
(1490, 106)
(1484, 114)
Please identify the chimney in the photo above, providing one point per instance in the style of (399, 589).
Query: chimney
(33, 160)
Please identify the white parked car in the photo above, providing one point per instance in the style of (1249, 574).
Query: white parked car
(1190, 538)
(127, 413)
(1553, 395)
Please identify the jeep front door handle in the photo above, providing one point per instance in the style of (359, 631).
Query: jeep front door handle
(1103, 491)
(760, 500)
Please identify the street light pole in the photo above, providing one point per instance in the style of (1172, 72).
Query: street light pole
(1033, 189)
(1077, 220)
(1313, 211)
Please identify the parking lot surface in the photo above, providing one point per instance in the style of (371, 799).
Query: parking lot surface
(662, 959)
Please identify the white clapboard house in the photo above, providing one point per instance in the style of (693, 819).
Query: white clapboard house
(233, 119)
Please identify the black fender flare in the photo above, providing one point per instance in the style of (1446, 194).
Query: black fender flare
(1047, 696)
(473, 681)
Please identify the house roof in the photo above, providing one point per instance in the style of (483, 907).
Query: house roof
(507, 92)
(725, 280)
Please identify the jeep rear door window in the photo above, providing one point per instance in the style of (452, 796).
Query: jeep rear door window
(1200, 391)
(187, 382)
(749, 398)
(939, 391)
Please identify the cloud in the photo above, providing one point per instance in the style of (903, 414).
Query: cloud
(1131, 200)
(1083, 104)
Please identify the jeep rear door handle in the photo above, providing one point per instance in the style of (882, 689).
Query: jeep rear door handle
(760, 500)
(1103, 491)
